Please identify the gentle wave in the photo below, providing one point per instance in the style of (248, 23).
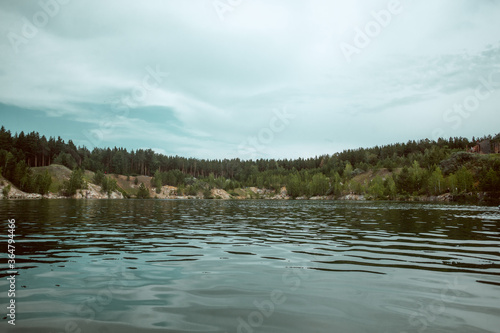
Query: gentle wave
(191, 266)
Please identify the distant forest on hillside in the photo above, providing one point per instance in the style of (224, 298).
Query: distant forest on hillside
(424, 167)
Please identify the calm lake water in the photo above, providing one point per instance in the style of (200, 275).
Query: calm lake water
(252, 266)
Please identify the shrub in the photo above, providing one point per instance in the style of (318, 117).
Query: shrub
(98, 177)
(457, 160)
(65, 159)
(109, 185)
(207, 194)
(6, 191)
(143, 192)
(191, 190)
(74, 183)
(43, 182)
(491, 181)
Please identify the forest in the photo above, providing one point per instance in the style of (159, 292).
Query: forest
(398, 171)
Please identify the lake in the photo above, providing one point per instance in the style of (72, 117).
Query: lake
(252, 266)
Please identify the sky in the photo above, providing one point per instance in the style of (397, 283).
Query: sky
(250, 79)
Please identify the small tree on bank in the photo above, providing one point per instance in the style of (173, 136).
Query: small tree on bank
(109, 185)
(143, 192)
(43, 182)
(6, 191)
(75, 183)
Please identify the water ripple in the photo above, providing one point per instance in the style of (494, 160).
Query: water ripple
(207, 266)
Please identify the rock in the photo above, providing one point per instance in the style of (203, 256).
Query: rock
(94, 192)
(447, 197)
(116, 195)
(318, 197)
(220, 194)
(283, 195)
(51, 195)
(355, 197)
(15, 193)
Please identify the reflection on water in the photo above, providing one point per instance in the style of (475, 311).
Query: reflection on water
(253, 266)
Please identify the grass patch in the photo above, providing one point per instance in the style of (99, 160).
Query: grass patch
(58, 173)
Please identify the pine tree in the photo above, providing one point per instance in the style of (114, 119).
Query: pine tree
(143, 192)
(108, 185)
(491, 181)
(99, 177)
(403, 181)
(293, 186)
(319, 185)
(75, 183)
(43, 182)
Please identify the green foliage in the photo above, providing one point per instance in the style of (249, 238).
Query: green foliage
(156, 182)
(171, 177)
(451, 183)
(337, 186)
(65, 159)
(413, 180)
(233, 193)
(436, 182)
(99, 177)
(6, 191)
(260, 181)
(21, 175)
(434, 156)
(348, 170)
(376, 189)
(457, 160)
(196, 187)
(192, 190)
(207, 194)
(75, 183)
(390, 190)
(43, 182)
(143, 192)
(403, 181)
(319, 185)
(354, 187)
(419, 178)
(181, 189)
(123, 192)
(293, 186)
(465, 180)
(491, 181)
(211, 180)
(109, 185)
(334, 174)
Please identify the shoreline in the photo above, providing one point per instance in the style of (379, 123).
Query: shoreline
(466, 198)
(94, 192)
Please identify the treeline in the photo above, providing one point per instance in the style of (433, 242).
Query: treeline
(37, 151)
(423, 167)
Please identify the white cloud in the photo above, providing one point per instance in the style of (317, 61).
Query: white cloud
(227, 76)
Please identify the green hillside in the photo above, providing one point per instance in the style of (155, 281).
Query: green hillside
(401, 171)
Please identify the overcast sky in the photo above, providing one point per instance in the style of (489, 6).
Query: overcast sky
(249, 78)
